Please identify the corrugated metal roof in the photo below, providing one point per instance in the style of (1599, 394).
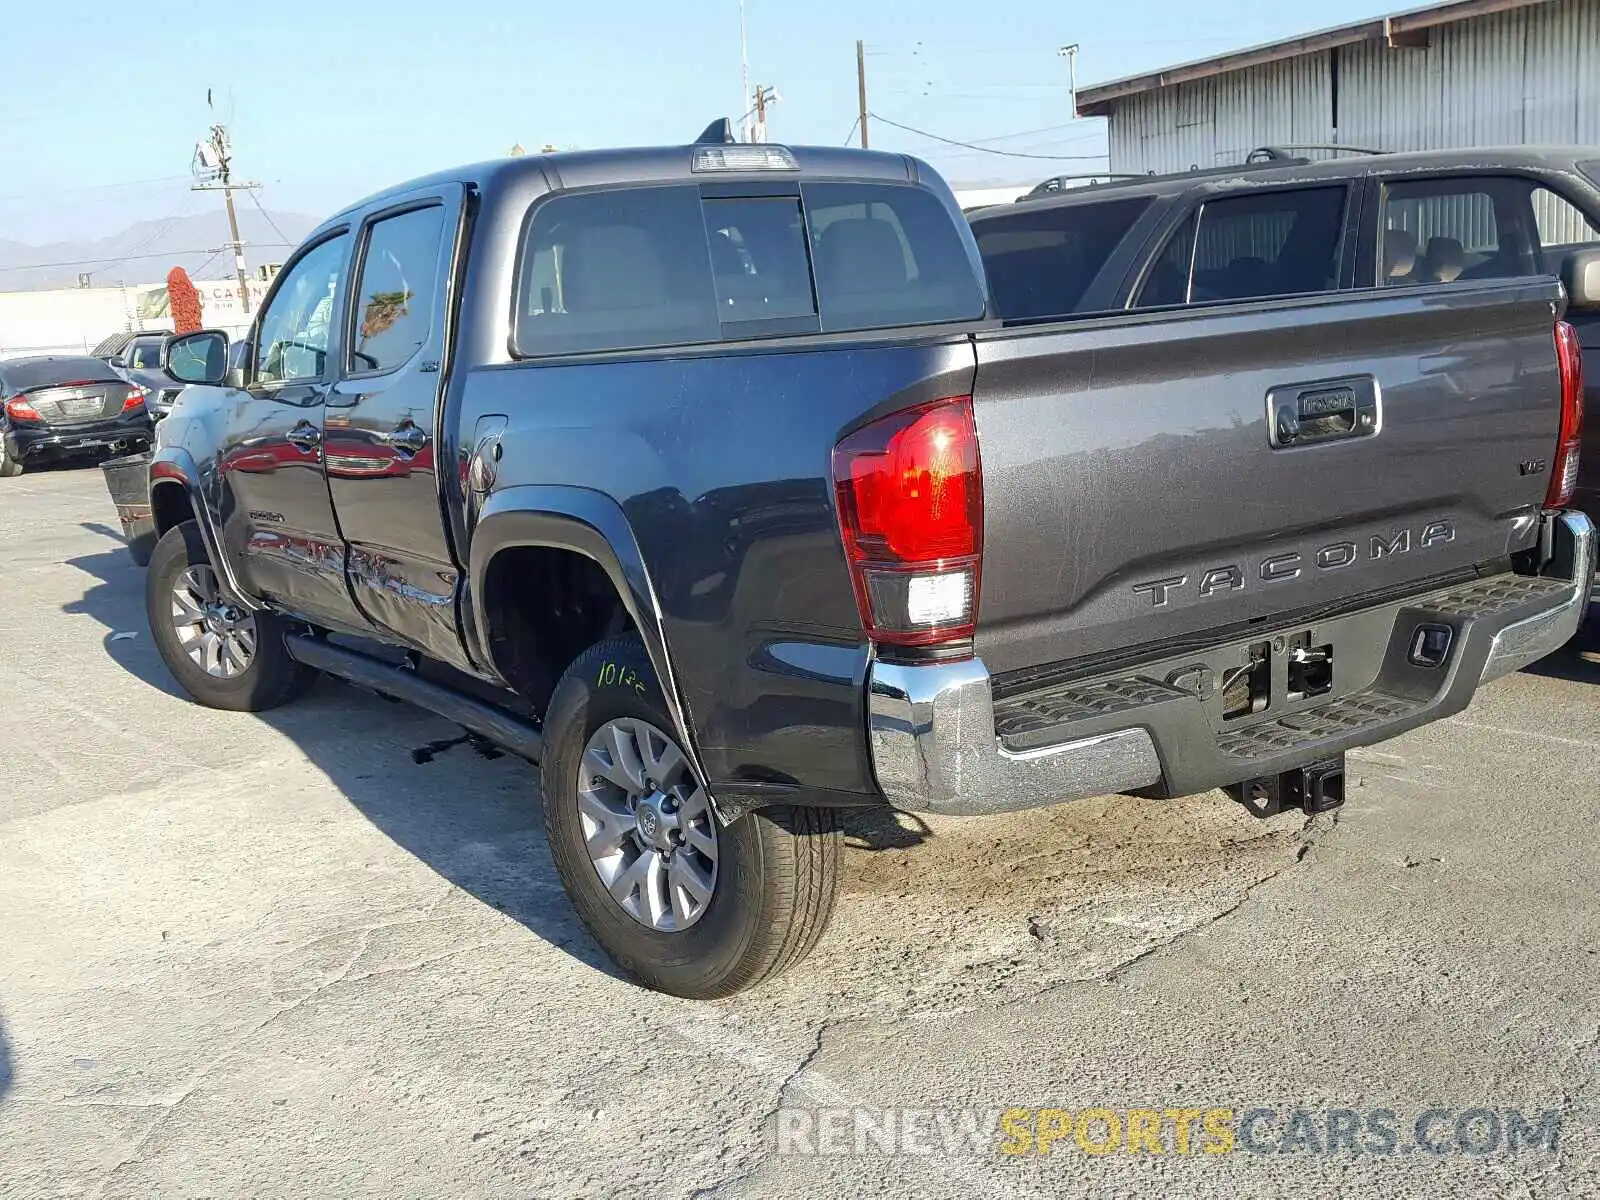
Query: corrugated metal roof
(1411, 28)
(1528, 76)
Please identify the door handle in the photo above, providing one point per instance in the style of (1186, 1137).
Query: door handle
(408, 437)
(305, 436)
(1327, 411)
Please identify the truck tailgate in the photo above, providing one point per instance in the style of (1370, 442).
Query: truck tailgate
(1137, 494)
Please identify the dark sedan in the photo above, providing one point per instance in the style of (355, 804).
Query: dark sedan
(60, 406)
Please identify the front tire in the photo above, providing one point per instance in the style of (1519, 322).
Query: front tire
(680, 902)
(223, 657)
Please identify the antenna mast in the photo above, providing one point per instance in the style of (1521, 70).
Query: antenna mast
(744, 72)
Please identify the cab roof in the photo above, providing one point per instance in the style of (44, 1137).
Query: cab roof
(656, 164)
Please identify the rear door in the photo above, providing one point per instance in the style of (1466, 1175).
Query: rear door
(382, 421)
(1269, 443)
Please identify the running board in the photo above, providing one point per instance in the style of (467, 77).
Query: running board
(521, 737)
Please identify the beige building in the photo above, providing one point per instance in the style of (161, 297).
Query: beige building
(75, 320)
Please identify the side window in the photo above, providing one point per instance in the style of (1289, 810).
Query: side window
(758, 259)
(146, 356)
(888, 255)
(1277, 243)
(1041, 261)
(1439, 231)
(1562, 228)
(1168, 281)
(397, 290)
(296, 328)
(617, 270)
(1487, 227)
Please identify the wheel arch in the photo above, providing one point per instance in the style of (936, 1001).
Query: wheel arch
(172, 467)
(590, 524)
(170, 504)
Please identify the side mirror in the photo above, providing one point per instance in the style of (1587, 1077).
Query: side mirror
(197, 357)
(1580, 275)
(116, 360)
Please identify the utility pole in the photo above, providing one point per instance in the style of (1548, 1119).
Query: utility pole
(861, 87)
(213, 165)
(1070, 53)
(763, 97)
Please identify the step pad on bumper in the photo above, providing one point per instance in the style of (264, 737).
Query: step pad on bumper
(1308, 728)
(1020, 716)
(1494, 596)
(1065, 711)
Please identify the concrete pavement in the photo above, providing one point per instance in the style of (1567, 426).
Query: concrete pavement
(272, 956)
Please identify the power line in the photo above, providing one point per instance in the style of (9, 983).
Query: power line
(92, 187)
(268, 217)
(84, 262)
(1083, 135)
(1032, 147)
(853, 126)
(987, 149)
(155, 235)
(218, 254)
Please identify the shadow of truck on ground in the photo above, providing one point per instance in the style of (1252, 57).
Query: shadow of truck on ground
(7, 1071)
(474, 822)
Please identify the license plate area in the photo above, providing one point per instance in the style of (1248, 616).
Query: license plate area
(1307, 672)
(1275, 675)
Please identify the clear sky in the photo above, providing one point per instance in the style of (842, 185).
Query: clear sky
(101, 102)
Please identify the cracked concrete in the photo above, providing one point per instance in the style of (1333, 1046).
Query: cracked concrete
(274, 957)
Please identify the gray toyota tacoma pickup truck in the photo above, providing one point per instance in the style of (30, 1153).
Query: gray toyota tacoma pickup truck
(707, 478)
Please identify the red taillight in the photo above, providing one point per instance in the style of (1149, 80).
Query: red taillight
(20, 410)
(1564, 471)
(136, 397)
(910, 498)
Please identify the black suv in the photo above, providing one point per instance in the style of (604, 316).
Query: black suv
(1279, 225)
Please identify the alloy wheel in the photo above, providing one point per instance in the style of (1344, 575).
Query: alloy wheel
(218, 637)
(647, 824)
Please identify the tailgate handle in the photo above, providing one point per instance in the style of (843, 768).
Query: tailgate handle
(1311, 414)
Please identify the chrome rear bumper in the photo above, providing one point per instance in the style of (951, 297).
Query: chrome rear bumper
(934, 745)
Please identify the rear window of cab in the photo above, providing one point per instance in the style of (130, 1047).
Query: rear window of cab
(650, 267)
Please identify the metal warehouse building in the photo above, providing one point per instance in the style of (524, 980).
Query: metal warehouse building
(1469, 73)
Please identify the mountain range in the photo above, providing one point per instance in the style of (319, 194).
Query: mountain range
(145, 252)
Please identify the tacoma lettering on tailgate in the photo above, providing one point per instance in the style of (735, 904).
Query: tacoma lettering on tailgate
(1280, 568)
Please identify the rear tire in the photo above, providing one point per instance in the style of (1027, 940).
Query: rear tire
(10, 468)
(191, 630)
(774, 873)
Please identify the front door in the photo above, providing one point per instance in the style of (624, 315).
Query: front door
(381, 424)
(277, 518)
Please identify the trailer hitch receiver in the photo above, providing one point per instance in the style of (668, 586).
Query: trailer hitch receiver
(1315, 788)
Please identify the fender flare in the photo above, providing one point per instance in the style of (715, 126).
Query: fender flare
(173, 466)
(592, 524)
